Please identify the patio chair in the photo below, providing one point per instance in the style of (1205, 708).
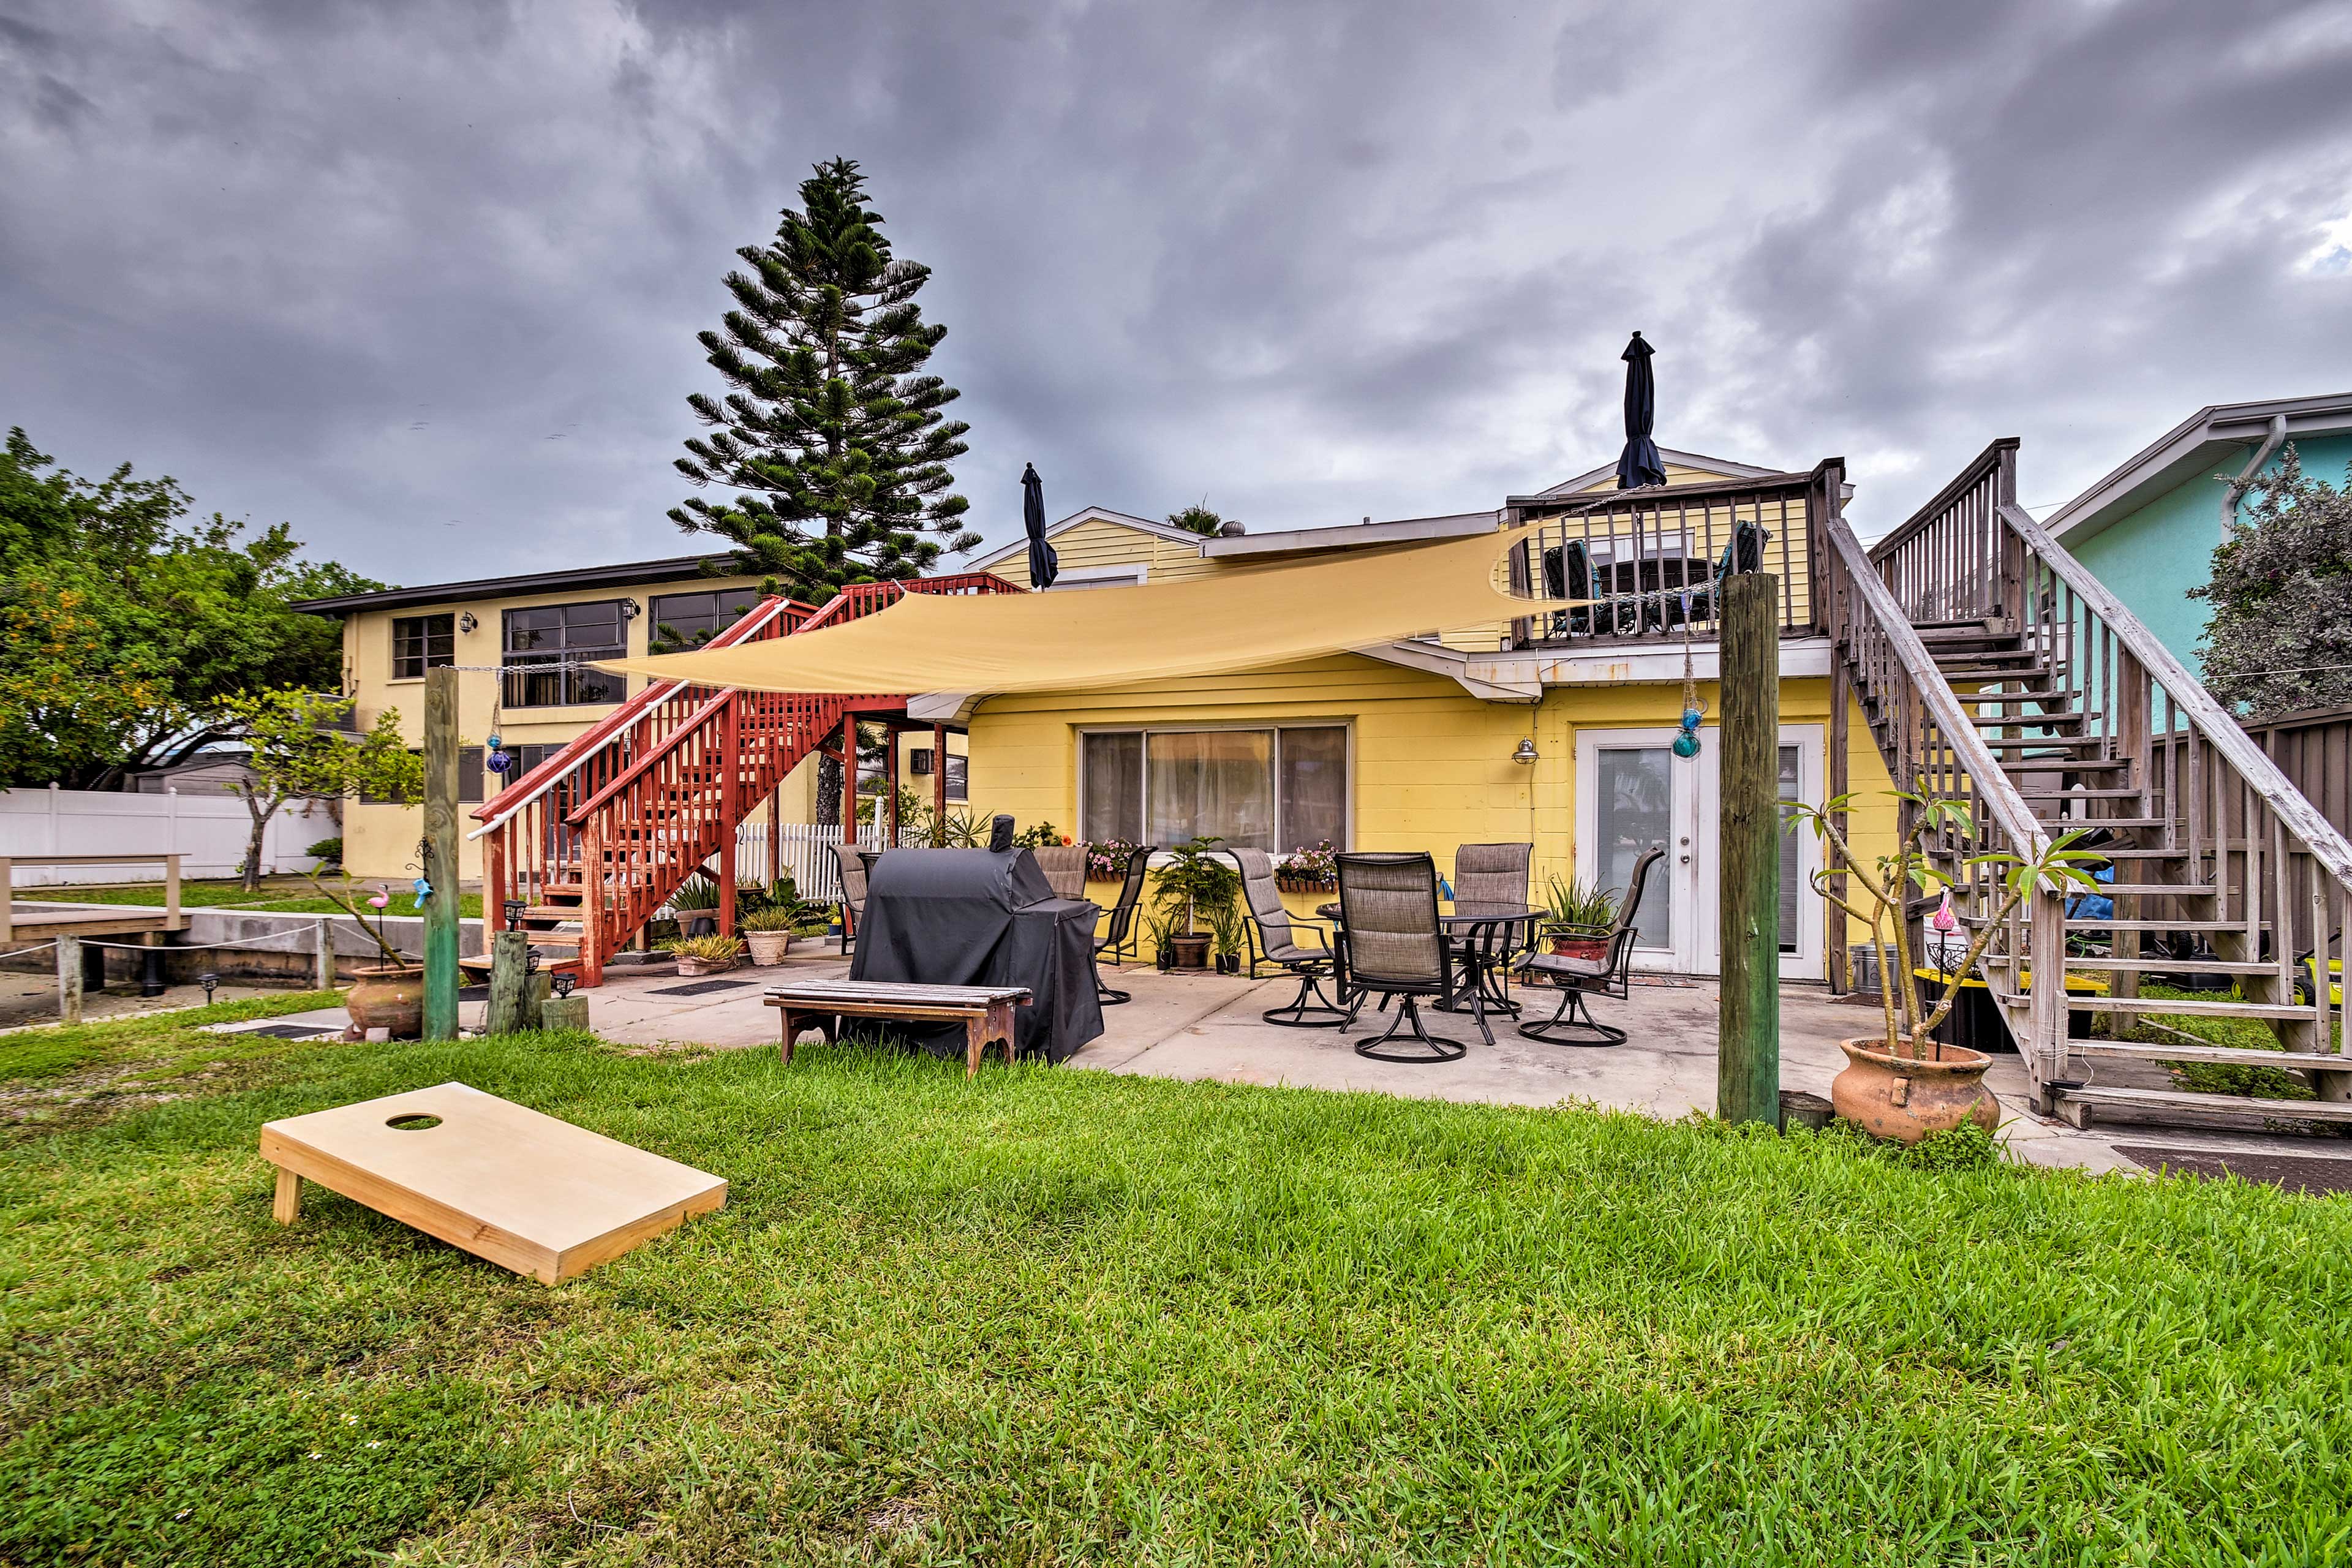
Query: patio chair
(1493, 876)
(1065, 866)
(1579, 978)
(1387, 902)
(851, 869)
(1274, 939)
(1117, 937)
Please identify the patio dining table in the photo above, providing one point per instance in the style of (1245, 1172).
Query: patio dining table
(1480, 937)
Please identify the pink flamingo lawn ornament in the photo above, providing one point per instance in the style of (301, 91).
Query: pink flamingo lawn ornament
(383, 898)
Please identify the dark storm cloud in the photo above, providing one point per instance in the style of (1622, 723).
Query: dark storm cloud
(423, 279)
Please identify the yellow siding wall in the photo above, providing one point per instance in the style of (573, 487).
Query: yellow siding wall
(1098, 541)
(1433, 765)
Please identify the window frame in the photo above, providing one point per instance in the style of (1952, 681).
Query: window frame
(1281, 810)
(449, 629)
(654, 602)
(513, 677)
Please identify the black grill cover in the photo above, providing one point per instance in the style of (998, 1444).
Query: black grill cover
(983, 917)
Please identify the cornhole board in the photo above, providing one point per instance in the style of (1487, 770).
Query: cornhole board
(525, 1191)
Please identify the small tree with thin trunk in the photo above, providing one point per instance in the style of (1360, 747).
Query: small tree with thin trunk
(298, 753)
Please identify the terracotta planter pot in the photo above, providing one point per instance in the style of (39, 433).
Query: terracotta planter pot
(692, 966)
(1593, 948)
(389, 997)
(1895, 1096)
(1192, 951)
(768, 947)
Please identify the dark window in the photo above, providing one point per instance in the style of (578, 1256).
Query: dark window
(685, 621)
(1270, 789)
(918, 762)
(470, 776)
(562, 638)
(420, 643)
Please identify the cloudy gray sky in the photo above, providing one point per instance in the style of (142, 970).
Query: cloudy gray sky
(424, 278)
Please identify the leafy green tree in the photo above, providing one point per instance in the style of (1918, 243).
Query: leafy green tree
(833, 439)
(2281, 636)
(1198, 519)
(298, 754)
(122, 630)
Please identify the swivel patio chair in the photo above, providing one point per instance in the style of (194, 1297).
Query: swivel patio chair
(1582, 978)
(1065, 866)
(1387, 902)
(1493, 876)
(851, 869)
(1117, 936)
(1274, 939)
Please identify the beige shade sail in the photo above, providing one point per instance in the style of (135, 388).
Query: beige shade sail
(1233, 620)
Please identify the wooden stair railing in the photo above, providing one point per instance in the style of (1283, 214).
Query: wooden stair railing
(591, 843)
(2093, 724)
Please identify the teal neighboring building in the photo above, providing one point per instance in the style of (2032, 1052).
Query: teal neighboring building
(2147, 530)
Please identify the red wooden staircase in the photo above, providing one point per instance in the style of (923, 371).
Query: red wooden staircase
(586, 846)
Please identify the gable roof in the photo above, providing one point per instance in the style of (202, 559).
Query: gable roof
(2214, 437)
(1723, 466)
(1020, 546)
(627, 573)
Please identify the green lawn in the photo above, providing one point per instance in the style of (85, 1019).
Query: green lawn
(279, 895)
(1069, 1317)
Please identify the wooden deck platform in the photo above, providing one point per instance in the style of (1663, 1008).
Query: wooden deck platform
(33, 923)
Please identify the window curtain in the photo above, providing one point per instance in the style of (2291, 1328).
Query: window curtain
(1113, 807)
(1210, 783)
(1314, 788)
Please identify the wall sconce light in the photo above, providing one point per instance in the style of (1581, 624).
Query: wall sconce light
(465, 622)
(631, 609)
(1526, 752)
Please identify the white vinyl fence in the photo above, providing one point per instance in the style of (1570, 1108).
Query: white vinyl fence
(208, 829)
(807, 849)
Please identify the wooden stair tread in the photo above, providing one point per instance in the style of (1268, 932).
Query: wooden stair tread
(2282, 1109)
(2248, 1055)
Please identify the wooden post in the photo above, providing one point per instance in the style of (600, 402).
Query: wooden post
(850, 779)
(592, 903)
(890, 783)
(776, 834)
(441, 853)
(731, 792)
(68, 978)
(1838, 767)
(285, 1202)
(510, 956)
(938, 777)
(325, 946)
(1747, 1061)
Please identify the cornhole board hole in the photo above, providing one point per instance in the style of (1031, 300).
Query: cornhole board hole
(528, 1192)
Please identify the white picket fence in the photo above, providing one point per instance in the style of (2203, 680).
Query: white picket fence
(807, 854)
(208, 830)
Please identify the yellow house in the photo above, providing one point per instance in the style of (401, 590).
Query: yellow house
(522, 646)
(1556, 731)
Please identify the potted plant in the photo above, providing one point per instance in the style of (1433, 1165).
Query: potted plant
(1582, 914)
(768, 934)
(706, 954)
(1902, 1083)
(1106, 861)
(387, 995)
(1195, 881)
(1225, 925)
(1304, 870)
(695, 903)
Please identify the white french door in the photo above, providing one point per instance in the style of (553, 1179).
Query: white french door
(1632, 791)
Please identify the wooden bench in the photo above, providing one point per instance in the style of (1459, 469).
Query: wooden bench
(985, 1011)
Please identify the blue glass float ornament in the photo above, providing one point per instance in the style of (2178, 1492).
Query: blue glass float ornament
(497, 762)
(1686, 740)
(493, 741)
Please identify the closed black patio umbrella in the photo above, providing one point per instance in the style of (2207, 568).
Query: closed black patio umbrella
(1639, 464)
(1043, 566)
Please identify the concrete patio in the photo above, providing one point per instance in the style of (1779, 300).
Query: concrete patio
(1204, 1025)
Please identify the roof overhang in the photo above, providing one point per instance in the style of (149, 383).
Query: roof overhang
(1351, 536)
(2213, 438)
(627, 575)
(1722, 467)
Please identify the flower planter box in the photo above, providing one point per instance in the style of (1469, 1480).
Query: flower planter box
(691, 966)
(1305, 885)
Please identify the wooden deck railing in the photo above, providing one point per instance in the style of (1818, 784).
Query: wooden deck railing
(1648, 557)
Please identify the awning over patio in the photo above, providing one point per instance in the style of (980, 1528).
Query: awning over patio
(1239, 618)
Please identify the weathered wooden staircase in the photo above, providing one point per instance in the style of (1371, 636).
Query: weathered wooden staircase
(1991, 666)
(584, 849)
